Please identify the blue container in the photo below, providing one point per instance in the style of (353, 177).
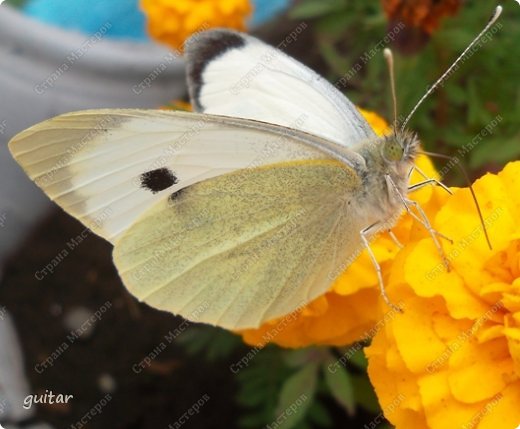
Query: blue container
(125, 18)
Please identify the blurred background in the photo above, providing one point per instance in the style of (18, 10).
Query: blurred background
(68, 325)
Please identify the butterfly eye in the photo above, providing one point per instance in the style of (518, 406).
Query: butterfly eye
(392, 150)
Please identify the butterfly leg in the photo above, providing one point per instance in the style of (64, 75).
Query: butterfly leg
(418, 186)
(365, 234)
(423, 220)
(426, 182)
(395, 239)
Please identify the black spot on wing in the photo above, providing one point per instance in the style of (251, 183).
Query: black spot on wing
(200, 50)
(158, 180)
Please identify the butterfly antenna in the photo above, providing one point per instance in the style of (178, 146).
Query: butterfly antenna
(390, 63)
(466, 178)
(446, 74)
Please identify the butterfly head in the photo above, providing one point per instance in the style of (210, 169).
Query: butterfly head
(400, 148)
(388, 161)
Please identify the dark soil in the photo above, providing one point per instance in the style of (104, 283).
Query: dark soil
(126, 333)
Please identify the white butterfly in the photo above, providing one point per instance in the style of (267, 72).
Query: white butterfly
(249, 208)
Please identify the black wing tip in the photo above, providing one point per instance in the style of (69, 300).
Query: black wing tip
(200, 50)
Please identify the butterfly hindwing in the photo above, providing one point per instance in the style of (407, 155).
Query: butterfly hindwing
(247, 246)
(234, 74)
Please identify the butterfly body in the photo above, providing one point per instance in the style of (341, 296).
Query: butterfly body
(384, 175)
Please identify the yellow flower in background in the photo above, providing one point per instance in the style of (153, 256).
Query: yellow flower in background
(173, 21)
(184, 106)
(349, 311)
(452, 359)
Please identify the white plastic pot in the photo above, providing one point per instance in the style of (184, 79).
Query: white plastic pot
(45, 71)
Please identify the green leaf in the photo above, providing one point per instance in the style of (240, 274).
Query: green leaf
(486, 152)
(365, 395)
(358, 357)
(213, 343)
(340, 384)
(296, 358)
(457, 95)
(336, 62)
(296, 397)
(259, 385)
(313, 8)
(334, 24)
(320, 415)
(251, 421)
(251, 397)
(16, 3)
(474, 103)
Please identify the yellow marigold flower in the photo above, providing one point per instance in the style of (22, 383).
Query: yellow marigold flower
(173, 21)
(378, 124)
(182, 105)
(452, 359)
(348, 312)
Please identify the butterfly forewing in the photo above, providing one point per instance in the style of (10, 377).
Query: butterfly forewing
(107, 167)
(234, 74)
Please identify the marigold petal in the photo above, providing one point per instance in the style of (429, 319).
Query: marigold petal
(341, 320)
(503, 411)
(490, 333)
(426, 273)
(439, 403)
(470, 251)
(382, 358)
(173, 21)
(510, 175)
(467, 319)
(316, 308)
(346, 320)
(417, 346)
(378, 124)
(409, 419)
(361, 273)
(513, 342)
(484, 367)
